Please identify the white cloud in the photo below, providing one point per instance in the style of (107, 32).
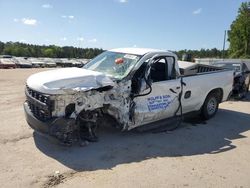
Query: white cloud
(47, 6)
(197, 11)
(29, 21)
(123, 1)
(68, 17)
(94, 40)
(134, 46)
(80, 39)
(16, 20)
(63, 39)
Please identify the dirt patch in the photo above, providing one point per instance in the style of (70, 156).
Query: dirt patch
(57, 178)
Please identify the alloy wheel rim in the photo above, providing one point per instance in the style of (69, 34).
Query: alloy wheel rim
(211, 106)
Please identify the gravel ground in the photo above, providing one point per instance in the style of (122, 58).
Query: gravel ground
(215, 153)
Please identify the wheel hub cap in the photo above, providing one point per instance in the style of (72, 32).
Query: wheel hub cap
(211, 106)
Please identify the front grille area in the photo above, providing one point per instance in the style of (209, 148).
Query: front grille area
(40, 104)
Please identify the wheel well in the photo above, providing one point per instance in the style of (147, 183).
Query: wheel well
(218, 92)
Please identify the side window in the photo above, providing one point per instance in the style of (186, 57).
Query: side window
(163, 69)
(159, 70)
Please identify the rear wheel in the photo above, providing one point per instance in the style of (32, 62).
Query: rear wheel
(210, 106)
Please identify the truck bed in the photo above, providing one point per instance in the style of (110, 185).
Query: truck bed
(190, 69)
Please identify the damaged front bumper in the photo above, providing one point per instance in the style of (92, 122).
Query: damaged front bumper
(42, 128)
(35, 123)
(60, 129)
(49, 129)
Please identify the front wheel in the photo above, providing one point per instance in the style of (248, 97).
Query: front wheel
(210, 106)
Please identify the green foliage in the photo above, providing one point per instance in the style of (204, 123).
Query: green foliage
(29, 50)
(239, 34)
(202, 53)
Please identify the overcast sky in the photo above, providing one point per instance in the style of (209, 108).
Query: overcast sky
(163, 24)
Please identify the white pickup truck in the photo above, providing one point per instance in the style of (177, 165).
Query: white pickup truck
(128, 87)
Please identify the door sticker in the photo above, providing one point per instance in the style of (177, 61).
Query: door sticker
(159, 102)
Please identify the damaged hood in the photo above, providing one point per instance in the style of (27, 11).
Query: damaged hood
(68, 80)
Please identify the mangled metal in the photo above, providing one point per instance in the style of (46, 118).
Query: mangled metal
(77, 110)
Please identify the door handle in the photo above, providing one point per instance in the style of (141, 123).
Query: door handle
(172, 91)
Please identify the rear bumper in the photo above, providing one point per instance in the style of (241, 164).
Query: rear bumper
(35, 123)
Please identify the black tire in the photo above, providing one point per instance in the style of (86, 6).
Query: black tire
(210, 106)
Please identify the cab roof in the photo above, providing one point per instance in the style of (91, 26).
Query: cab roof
(136, 51)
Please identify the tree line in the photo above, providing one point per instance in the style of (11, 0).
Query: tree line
(202, 53)
(29, 50)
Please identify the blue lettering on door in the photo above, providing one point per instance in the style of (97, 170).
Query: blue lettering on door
(159, 102)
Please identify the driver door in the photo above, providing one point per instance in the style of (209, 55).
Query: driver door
(162, 102)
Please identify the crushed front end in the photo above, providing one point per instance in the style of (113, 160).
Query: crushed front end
(76, 115)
